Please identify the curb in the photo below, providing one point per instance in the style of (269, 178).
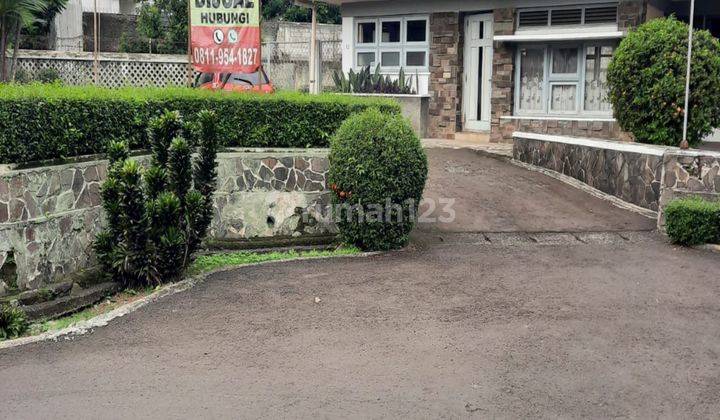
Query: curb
(84, 327)
(709, 247)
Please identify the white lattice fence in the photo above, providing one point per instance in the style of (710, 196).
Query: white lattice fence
(287, 65)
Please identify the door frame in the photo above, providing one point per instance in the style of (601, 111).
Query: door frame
(470, 106)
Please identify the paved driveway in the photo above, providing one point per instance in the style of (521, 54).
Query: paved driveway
(507, 324)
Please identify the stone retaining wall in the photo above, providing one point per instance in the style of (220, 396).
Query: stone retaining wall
(644, 175)
(49, 215)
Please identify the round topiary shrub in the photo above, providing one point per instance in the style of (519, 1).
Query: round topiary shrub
(377, 173)
(647, 83)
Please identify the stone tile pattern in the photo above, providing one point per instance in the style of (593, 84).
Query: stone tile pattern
(631, 13)
(608, 130)
(445, 74)
(503, 80)
(50, 215)
(632, 177)
(278, 196)
(686, 175)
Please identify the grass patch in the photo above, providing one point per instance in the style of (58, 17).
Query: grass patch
(206, 263)
(107, 305)
(202, 264)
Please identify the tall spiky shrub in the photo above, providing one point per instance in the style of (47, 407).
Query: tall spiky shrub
(156, 219)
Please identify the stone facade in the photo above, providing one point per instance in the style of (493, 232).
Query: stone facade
(445, 75)
(631, 13)
(632, 177)
(689, 173)
(49, 215)
(609, 130)
(503, 80)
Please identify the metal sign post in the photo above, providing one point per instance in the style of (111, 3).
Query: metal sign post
(685, 144)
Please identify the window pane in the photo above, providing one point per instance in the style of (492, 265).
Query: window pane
(415, 59)
(390, 59)
(416, 31)
(565, 61)
(532, 64)
(597, 60)
(390, 32)
(365, 59)
(366, 33)
(563, 98)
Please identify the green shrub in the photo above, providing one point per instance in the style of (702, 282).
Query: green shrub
(378, 171)
(13, 322)
(693, 221)
(157, 217)
(47, 75)
(647, 83)
(40, 122)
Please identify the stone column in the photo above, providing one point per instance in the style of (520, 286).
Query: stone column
(444, 74)
(501, 102)
(631, 13)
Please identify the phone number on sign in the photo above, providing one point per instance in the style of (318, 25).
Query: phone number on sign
(226, 56)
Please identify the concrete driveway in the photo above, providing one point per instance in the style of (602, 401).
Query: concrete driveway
(475, 324)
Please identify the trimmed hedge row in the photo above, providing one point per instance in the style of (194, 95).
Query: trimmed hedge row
(693, 221)
(39, 122)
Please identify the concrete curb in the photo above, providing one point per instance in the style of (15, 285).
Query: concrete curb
(709, 247)
(102, 320)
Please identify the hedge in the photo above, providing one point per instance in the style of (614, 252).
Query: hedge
(693, 221)
(39, 122)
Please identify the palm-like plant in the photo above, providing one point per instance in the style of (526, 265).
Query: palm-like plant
(14, 15)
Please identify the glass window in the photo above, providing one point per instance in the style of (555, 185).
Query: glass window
(597, 59)
(416, 31)
(365, 59)
(563, 98)
(565, 60)
(415, 59)
(390, 59)
(390, 32)
(532, 64)
(366, 33)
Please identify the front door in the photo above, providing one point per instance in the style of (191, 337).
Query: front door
(478, 72)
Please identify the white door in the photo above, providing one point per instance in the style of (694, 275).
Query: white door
(478, 72)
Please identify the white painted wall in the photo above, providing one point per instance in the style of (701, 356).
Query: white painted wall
(399, 7)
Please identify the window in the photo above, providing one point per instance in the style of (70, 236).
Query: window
(563, 79)
(366, 33)
(400, 42)
(564, 16)
(390, 32)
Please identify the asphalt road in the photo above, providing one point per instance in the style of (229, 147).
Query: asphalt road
(461, 324)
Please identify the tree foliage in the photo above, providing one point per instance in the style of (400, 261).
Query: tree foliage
(647, 83)
(286, 10)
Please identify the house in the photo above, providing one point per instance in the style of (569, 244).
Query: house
(497, 66)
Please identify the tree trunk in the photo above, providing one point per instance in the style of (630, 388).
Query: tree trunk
(3, 45)
(16, 47)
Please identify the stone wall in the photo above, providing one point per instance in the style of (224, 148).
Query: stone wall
(632, 173)
(445, 74)
(689, 173)
(49, 215)
(600, 129)
(645, 175)
(503, 80)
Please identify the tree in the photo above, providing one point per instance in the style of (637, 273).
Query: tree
(149, 23)
(14, 15)
(286, 10)
(647, 83)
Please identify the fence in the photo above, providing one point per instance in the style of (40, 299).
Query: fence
(286, 63)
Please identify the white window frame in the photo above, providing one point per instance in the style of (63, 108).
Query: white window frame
(553, 79)
(403, 47)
